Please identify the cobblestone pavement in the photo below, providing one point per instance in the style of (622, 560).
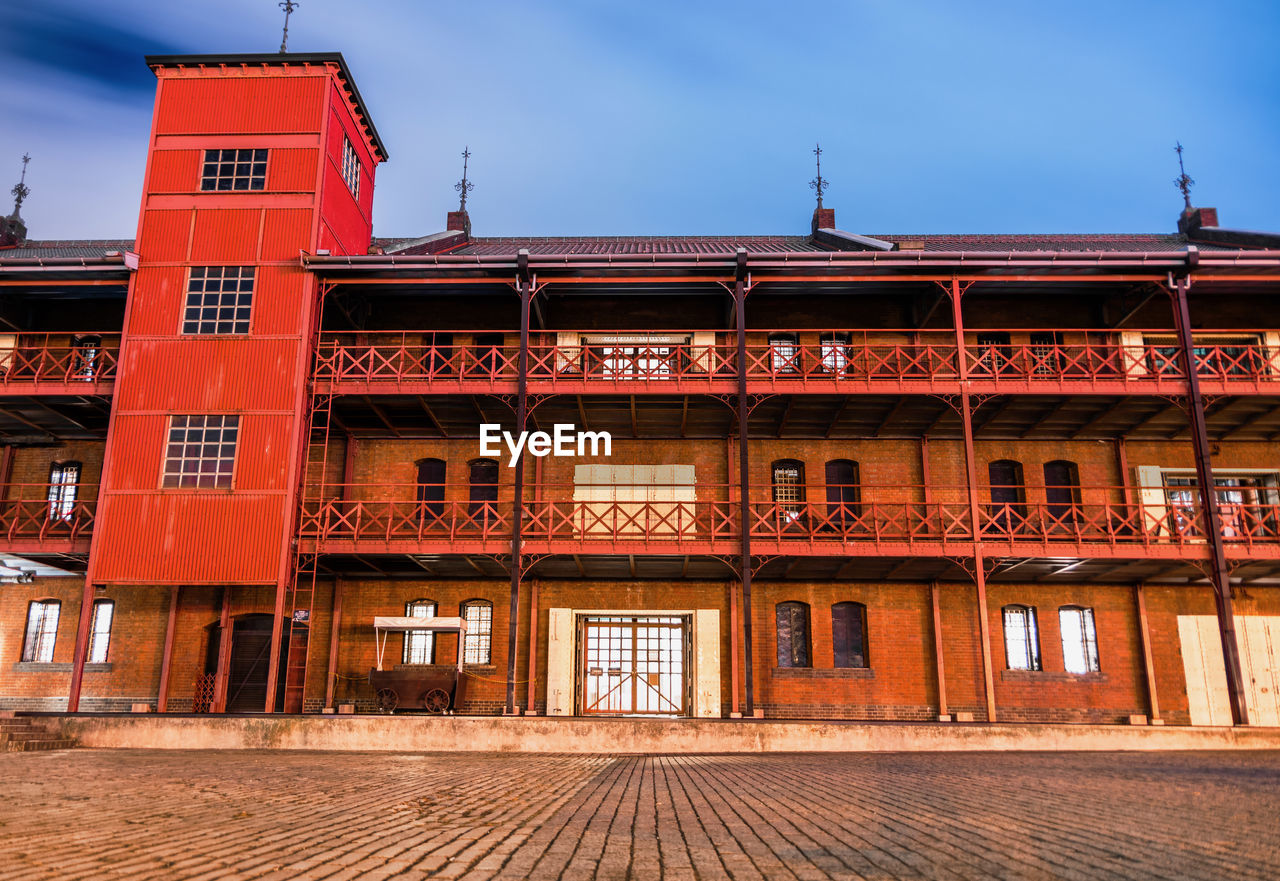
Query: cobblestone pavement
(146, 814)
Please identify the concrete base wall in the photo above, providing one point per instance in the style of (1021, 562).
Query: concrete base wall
(482, 734)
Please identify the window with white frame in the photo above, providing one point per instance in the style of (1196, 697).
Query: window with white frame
(219, 300)
(201, 451)
(64, 483)
(1021, 638)
(419, 645)
(477, 646)
(42, 631)
(100, 631)
(231, 170)
(1079, 639)
(351, 167)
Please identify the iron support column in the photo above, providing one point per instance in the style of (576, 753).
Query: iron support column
(525, 289)
(82, 646)
(162, 697)
(971, 474)
(1218, 571)
(744, 478)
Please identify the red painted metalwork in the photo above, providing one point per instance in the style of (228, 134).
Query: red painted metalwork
(162, 701)
(882, 361)
(56, 364)
(30, 521)
(745, 567)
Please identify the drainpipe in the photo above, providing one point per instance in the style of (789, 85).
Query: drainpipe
(744, 477)
(525, 289)
(1218, 572)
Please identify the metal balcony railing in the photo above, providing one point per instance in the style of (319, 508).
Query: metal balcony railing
(800, 360)
(38, 514)
(74, 362)
(818, 517)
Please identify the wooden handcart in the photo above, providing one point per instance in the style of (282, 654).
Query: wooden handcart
(436, 688)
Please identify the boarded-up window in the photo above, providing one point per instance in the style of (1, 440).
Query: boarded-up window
(431, 487)
(1008, 495)
(849, 634)
(635, 500)
(844, 495)
(793, 634)
(483, 493)
(1021, 638)
(1062, 491)
(1079, 640)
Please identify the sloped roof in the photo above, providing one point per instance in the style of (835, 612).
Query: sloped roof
(483, 245)
(87, 248)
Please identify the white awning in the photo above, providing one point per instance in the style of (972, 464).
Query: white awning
(438, 625)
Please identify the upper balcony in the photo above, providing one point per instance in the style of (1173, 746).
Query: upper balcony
(34, 364)
(845, 520)
(1044, 362)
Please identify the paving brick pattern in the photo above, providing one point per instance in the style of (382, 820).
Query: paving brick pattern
(148, 814)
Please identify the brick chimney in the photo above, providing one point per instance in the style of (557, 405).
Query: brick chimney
(459, 220)
(824, 218)
(1192, 219)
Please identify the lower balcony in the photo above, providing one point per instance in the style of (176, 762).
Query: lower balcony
(1107, 522)
(47, 521)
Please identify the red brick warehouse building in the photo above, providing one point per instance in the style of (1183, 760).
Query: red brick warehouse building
(851, 476)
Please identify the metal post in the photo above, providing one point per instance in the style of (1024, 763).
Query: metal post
(335, 627)
(971, 473)
(162, 699)
(735, 711)
(1148, 667)
(1219, 573)
(82, 646)
(744, 477)
(224, 654)
(517, 515)
(531, 699)
(943, 714)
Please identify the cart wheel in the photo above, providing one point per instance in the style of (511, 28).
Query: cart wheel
(388, 700)
(436, 700)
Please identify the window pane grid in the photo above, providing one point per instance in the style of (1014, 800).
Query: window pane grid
(201, 451)
(1079, 640)
(219, 299)
(231, 170)
(1021, 640)
(477, 645)
(351, 168)
(64, 480)
(419, 645)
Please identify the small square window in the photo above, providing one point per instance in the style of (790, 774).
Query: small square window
(201, 451)
(232, 170)
(219, 300)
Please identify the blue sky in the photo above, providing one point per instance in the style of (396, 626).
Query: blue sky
(594, 117)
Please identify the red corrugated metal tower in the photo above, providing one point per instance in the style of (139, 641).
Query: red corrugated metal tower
(314, 194)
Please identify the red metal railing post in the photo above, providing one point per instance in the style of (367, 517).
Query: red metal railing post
(1219, 573)
(744, 477)
(162, 700)
(525, 288)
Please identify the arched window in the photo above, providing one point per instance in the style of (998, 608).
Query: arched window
(1062, 492)
(477, 646)
(64, 485)
(1021, 638)
(844, 495)
(793, 634)
(788, 490)
(849, 634)
(784, 353)
(419, 645)
(104, 611)
(1008, 495)
(42, 630)
(431, 487)
(484, 487)
(1079, 639)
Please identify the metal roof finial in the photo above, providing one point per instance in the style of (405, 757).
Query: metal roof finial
(819, 183)
(464, 186)
(20, 189)
(288, 6)
(1183, 181)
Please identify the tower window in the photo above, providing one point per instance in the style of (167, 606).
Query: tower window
(351, 167)
(201, 451)
(234, 170)
(218, 300)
